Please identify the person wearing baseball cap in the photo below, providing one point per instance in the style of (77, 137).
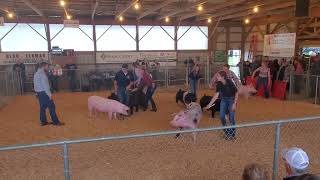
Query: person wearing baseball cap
(296, 162)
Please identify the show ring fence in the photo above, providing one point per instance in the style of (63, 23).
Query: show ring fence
(160, 155)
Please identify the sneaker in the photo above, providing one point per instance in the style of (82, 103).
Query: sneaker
(59, 124)
(44, 124)
(153, 110)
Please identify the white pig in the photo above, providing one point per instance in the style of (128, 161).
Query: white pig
(112, 107)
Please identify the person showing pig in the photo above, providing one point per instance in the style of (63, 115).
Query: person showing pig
(123, 83)
(149, 83)
(227, 91)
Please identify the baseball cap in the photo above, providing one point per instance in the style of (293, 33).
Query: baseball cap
(296, 158)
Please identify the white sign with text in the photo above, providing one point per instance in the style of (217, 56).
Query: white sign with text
(279, 45)
(130, 57)
(9, 58)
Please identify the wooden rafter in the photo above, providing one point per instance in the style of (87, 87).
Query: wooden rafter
(263, 10)
(127, 7)
(35, 9)
(181, 10)
(94, 9)
(304, 26)
(155, 8)
(217, 7)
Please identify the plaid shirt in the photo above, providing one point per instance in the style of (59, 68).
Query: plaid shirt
(230, 75)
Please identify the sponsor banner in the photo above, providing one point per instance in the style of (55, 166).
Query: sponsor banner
(130, 57)
(1, 21)
(71, 23)
(279, 45)
(9, 58)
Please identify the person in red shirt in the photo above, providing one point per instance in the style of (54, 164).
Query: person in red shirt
(148, 82)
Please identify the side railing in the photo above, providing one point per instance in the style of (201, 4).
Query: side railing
(160, 155)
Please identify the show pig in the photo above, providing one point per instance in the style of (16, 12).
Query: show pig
(246, 91)
(112, 107)
(188, 119)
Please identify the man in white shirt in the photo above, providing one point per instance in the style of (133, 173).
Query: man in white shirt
(42, 89)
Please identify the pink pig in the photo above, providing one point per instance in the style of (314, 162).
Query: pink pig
(188, 119)
(246, 91)
(112, 107)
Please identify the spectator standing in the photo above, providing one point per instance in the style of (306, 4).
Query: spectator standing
(227, 92)
(264, 78)
(246, 70)
(194, 77)
(283, 65)
(298, 75)
(289, 72)
(72, 76)
(296, 162)
(42, 89)
(123, 83)
(254, 172)
(20, 68)
(274, 70)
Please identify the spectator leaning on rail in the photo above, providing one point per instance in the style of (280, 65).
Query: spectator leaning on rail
(264, 78)
(254, 172)
(147, 81)
(123, 82)
(296, 163)
(227, 92)
(42, 89)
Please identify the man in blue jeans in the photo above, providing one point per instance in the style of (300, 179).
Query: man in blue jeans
(42, 89)
(122, 83)
(227, 91)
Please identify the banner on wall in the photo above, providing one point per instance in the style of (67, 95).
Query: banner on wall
(279, 45)
(10, 58)
(71, 23)
(130, 57)
(1, 21)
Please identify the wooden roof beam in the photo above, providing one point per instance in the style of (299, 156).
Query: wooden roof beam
(220, 6)
(35, 9)
(155, 8)
(181, 10)
(128, 6)
(94, 9)
(262, 10)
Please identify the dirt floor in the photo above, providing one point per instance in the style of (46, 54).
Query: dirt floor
(210, 157)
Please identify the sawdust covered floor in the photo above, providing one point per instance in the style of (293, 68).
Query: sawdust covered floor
(210, 157)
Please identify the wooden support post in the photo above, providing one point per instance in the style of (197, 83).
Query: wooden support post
(227, 42)
(243, 43)
(137, 37)
(48, 36)
(94, 41)
(175, 37)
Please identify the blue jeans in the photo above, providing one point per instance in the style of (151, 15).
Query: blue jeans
(123, 96)
(193, 86)
(225, 105)
(264, 83)
(149, 94)
(45, 102)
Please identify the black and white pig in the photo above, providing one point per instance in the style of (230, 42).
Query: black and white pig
(185, 97)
